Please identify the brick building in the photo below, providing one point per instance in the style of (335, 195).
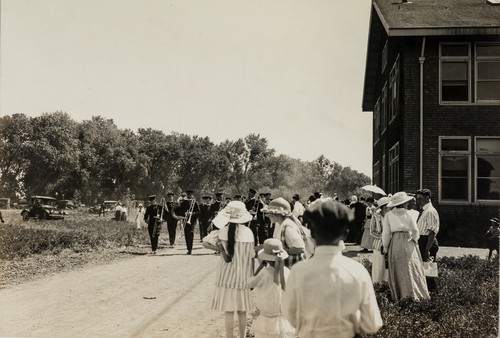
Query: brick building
(432, 81)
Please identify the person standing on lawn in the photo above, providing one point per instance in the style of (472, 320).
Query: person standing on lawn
(330, 295)
(400, 236)
(235, 268)
(379, 271)
(491, 236)
(428, 227)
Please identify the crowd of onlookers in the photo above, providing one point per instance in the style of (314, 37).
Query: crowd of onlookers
(310, 289)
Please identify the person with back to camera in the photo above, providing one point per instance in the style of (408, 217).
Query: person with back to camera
(400, 237)
(492, 236)
(232, 292)
(268, 285)
(330, 295)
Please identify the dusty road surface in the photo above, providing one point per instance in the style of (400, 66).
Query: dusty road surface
(166, 295)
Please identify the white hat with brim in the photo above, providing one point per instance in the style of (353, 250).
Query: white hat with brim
(272, 248)
(383, 201)
(234, 212)
(278, 206)
(398, 199)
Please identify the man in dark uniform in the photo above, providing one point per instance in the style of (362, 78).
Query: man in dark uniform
(171, 219)
(205, 213)
(154, 217)
(254, 206)
(189, 210)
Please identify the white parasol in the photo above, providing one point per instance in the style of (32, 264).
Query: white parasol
(374, 189)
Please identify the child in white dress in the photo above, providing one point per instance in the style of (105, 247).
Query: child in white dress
(268, 286)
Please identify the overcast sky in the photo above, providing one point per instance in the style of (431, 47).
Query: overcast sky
(289, 70)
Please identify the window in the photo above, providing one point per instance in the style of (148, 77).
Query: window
(384, 56)
(382, 184)
(394, 168)
(487, 72)
(376, 122)
(488, 169)
(383, 110)
(394, 91)
(454, 172)
(454, 71)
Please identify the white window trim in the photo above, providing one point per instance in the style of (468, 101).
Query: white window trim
(478, 201)
(448, 152)
(455, 58)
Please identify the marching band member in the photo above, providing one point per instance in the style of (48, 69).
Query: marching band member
(171, 219)
(205, 213)
(189, 211)
(154, 217)
(254, 206)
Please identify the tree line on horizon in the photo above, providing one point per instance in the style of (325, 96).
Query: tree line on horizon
(93, 160)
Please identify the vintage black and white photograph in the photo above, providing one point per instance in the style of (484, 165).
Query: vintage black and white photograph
(251, 169)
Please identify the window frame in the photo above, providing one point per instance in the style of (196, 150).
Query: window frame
(394, 159)
(476, 155)
(463, 153)
(479, 60)
(455, 59)
(394, 83)
(376, 122)
(383, 110)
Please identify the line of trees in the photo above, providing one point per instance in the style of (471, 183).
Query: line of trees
(54, 155)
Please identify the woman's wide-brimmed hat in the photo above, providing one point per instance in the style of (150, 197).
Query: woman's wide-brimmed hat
(234, 212)
(495, 220)
(383, 201)
(398, 199)
(272, 248)
(278, 206)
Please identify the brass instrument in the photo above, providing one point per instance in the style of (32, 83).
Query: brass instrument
(187, 220)
(159, 219)
(254, 209)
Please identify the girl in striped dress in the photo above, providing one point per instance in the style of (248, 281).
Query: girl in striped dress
(232, 292)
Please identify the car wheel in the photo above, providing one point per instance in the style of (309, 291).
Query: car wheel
(25, 216)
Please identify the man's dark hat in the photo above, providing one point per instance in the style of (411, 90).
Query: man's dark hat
(219, 194)
(189, 191)
(317, 194)
(424, 192)
(151, 197)
(237, 196)
(206, 197)
(252, 191)
(296, 197)
(268, 194)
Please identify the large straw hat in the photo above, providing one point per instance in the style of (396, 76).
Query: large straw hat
(278, 206)
(234, 212)
(271, 249)
(398, 199)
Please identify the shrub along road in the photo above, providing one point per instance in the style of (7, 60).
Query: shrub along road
(166, 295)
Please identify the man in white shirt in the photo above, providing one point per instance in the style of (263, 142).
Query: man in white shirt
(298, 208)
(330, 295)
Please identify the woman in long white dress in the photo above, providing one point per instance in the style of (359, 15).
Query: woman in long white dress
(232, 292)
(379, 272)
(400, 236)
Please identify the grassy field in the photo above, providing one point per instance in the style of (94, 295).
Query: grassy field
(466, 304)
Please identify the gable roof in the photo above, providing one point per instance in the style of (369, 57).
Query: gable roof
(423, 18)
(438, 17)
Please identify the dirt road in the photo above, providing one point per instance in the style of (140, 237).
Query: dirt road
(166, 295)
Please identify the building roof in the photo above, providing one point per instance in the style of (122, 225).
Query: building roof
(396, 18)
(438, 17)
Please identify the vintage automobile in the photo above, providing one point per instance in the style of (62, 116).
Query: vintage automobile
(42, 207)
(108, 206)
(65, 204)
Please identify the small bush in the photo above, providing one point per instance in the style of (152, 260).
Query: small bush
(465, 305)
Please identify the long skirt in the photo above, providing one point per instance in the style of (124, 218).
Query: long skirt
(367, 239)
(406, 275)
(228, 299)
(379, 272)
